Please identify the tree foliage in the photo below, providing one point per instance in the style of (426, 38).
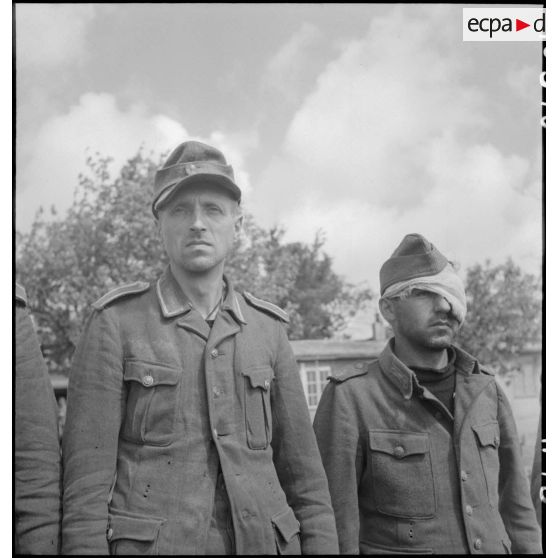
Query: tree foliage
(108, 237)
(504, 313)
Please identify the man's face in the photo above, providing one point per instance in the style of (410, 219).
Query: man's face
(198, 226)
(424, 319)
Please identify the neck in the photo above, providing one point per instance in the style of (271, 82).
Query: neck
(202, 289)
(419, 356)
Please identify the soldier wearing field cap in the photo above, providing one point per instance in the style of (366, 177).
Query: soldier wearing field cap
(420, 446)
(187, 429)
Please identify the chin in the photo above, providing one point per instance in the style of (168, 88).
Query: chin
(198, 265)
(440, 342)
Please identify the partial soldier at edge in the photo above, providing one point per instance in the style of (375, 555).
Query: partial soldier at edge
(37, 464)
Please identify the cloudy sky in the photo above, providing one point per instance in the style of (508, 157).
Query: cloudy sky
(365, 121)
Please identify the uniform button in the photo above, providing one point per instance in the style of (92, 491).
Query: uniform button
(478, 544)
(147, 381)
(266, 384)
(110, 533)
(216, 392)
(468, 510)
(214, 353)
(399, 452)
(464, 476)
(215, 433)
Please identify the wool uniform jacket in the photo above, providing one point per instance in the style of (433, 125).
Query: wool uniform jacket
(159, 401)
(407, 477)
(37, 468)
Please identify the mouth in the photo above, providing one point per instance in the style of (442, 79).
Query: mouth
(442, 323)
(198, 243)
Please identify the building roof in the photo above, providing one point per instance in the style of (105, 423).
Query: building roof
(334, 349)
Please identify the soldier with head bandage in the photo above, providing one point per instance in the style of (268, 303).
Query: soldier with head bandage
(420, 447)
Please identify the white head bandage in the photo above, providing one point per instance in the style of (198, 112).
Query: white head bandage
(446, 283)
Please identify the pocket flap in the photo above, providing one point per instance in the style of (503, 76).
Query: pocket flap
(488, 434)
(150, 374)
(286, 523)
(132, 528)
(259, 377)
(398, 444)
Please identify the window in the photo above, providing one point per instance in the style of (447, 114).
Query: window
(314, 379)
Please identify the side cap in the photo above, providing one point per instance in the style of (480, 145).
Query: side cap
(20, 294)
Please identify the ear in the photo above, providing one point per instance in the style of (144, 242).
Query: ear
(238, 223)
(386, 308)
(157, 223)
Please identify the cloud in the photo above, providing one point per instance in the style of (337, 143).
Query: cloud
(391, 141)
(48, 164)
(286, 69)
(51, 34)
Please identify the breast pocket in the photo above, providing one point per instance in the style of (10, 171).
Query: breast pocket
(257, 406)
(488, 441)
(152, 402)
(402, 477)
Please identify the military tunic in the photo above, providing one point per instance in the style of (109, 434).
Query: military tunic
(159, 402)
(37, 467)
(407, 480)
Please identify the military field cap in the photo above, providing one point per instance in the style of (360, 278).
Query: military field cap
(414, 257)
(192, 162)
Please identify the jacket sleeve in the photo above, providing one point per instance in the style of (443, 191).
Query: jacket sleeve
(37, 449)
(90, 441)
(516, 507)
(296, 456)
(536, 474)
(338, 439)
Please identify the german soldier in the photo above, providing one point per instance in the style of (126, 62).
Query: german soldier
(420, 447)
(37, 468)
(187, 429)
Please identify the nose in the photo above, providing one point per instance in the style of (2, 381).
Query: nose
(197, 221)
(442, 304)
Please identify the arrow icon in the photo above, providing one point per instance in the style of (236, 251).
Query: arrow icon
(519, 25)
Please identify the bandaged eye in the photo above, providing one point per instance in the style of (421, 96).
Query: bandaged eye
(421, 293)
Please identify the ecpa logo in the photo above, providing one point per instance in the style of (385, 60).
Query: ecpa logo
(504, 24)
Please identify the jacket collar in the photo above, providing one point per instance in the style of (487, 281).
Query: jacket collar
(405, 379)
(174, 302)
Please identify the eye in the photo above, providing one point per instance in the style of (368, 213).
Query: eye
(177, 210)
(214, 209)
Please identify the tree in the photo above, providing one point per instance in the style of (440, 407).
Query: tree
(109, 238)
(504, 313)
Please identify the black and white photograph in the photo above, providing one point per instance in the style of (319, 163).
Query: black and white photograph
(279, 278)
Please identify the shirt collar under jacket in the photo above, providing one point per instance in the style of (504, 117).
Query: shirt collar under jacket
(174, 302)
(405, 379)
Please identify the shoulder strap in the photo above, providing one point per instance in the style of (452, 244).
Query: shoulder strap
(20, 294)
(119, 292)
(359, 369)
(266, 307)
